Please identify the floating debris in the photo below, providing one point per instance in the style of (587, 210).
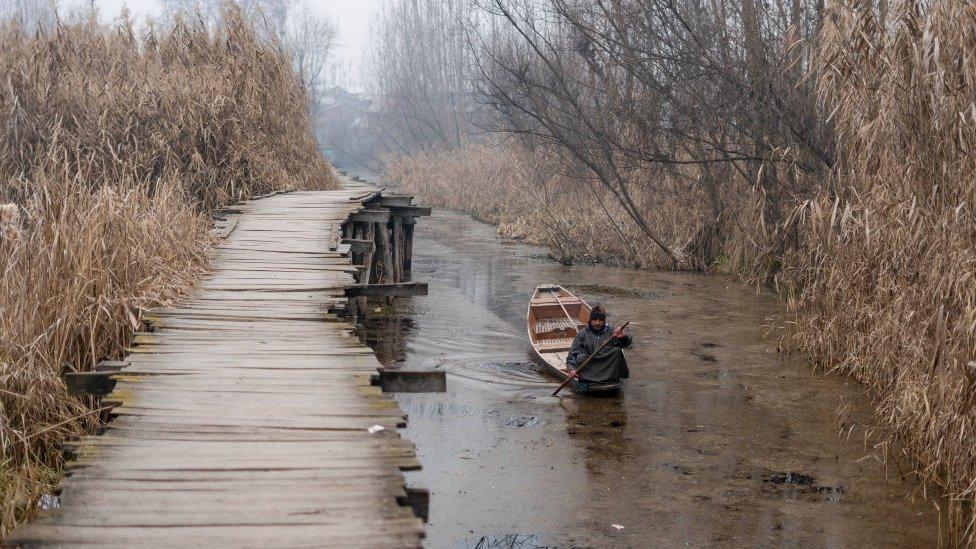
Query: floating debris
(798, 483)
(523, 421)
(615, 291)
(791, 478)
(510, 541)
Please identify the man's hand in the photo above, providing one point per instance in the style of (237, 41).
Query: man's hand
(572, 372)
(619, 333)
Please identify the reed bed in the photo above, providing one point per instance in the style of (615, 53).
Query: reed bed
(118, 146)
(884, 281)
(877, 264)
(531, 197)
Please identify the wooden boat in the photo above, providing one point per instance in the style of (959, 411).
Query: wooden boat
(554, 318)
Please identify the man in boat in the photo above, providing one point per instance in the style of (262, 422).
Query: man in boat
(609, 366)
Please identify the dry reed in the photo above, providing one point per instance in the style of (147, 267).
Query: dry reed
(881, 267)
(530, 196)
(884, 282)
(116, 149)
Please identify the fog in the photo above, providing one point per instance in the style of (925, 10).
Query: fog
(352, 18)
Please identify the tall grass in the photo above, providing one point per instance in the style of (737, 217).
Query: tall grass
(531, 195)
(879, 262)
(885, 282)
(115, 151)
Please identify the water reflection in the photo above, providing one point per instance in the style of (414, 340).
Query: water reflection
(386, 329)
(598, 424)
(509, 541)
(709, 444)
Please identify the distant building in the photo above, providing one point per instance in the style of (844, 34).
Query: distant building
(342, 117)
(341, 108)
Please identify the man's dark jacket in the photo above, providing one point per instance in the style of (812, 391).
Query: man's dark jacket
(610, 365)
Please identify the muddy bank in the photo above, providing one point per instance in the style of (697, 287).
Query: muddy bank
(716, 441)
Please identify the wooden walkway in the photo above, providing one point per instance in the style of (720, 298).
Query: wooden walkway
(243, 416)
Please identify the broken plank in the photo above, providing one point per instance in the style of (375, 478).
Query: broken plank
(89, 383)
(360, 246)
(407, 381)
(371, 216)
(398, 289)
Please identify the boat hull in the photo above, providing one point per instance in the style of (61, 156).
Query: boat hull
(554, 317)
(562, 375)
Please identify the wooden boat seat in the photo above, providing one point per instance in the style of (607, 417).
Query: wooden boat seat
(549, 300)
(553, 324)
(554, 345)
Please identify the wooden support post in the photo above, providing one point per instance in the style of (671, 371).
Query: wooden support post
(387, 253)
(418, 499)
(355, 234)
(368, 257)
(401, 381)
(397, 248)
(397, 289)
(371, 215)
(408, 224)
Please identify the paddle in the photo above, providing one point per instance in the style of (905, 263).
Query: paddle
(587, 361)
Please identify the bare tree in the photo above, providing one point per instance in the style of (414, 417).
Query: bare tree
(682, 89)
(310, 38)
(306, 34)
(31, 13)
(420, 74)
(210, 9)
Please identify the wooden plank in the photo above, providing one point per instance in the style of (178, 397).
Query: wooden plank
(359, 246)
(334, 236)
(223, 229)
(366, 197)
(398, 289)
(89, 383)
(412, 211)
(111, 365)
(401, 200)
(406, 381)
(418, 499)
(247, 391)
(371, 216)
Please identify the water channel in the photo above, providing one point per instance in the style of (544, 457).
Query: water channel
(717, 440)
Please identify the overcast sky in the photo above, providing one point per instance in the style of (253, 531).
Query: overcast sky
(351, 16)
